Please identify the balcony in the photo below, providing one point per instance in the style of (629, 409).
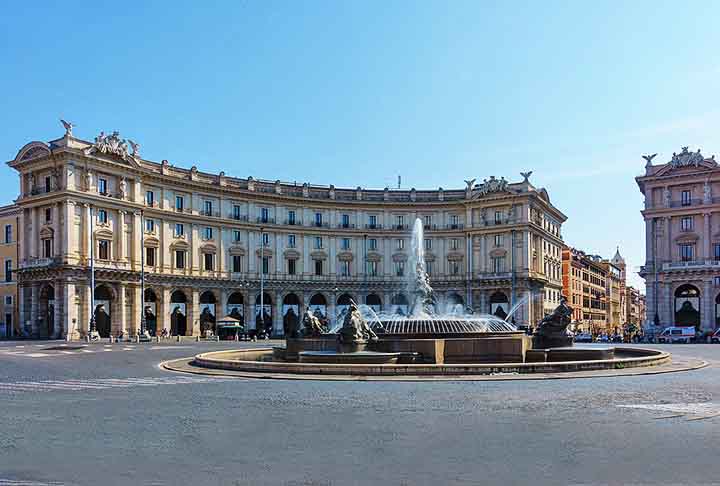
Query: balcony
(261, 220)
(212, 214)
(400, 227)
(691, 265)
(293, 222)
(320, 224)
(373, 226)
(38, 263)
(238, 217)
(454, 226)
(346, 226)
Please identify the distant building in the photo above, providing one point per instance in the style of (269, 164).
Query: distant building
(9, 323)
(585, 281)
(635, 301)
(682, 241)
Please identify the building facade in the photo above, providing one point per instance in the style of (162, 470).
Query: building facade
(585, 286)
(9, 253)
(209, 242)
(635, 308)
(682, 241)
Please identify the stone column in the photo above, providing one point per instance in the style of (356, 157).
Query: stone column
(278, 315)
(194, 314)
(137, 310)
(71, 316)
(58, 328)
(87, 305)
(221, 252)
(194, 254)
(86, 229)
(120, 230)
(137, 231)
(667, 305)
(57, 249)
(34, 297)
(33, 243)
(707, 306)
(649, 245)
(668, 238)
(121, 309)
(163, 311)
(706, 237)
(23, 308)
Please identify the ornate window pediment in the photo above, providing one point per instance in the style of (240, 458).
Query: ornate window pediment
(454, 256)
(152, 242)
(46, 232)
(264, 252)
(430, 257)
(32, 150)
(237, 250)
(687, 237)
(104, 233)
(498, 252)
(399, 257)
(345, 256)
(179, 245)
(318, 255)
(208, 248)
(291, 254)
(373, 257)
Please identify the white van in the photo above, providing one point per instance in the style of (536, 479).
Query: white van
(677, 335)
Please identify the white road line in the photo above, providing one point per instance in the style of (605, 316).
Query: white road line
(15, 482)
(38, 355)
(101, 384)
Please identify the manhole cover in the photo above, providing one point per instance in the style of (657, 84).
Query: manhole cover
(63, 348)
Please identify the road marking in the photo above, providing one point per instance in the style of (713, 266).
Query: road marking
(38, 355)
(693, 411)
(20, 482)
(102, 384)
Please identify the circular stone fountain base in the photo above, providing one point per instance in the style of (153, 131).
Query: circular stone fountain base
(359, 357)
(258, 363)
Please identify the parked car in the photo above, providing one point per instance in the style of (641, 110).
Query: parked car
(617, 338)
(603, 338)
(676, 334)
(583, 337)
(715, 338)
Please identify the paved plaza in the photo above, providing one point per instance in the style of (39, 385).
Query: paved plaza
(107, 414)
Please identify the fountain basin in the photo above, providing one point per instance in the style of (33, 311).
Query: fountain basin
(359, 357)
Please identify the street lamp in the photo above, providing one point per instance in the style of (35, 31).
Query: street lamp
(92, 331)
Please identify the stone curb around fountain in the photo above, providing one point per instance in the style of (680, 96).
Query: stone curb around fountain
(188, 365)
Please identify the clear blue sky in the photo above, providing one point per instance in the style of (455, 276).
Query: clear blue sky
(355, 93)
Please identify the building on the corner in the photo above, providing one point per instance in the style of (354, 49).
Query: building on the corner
(682, 241)
(616, 316)
(9, 253)
(585, 281)
(635, 302)
(209, 241)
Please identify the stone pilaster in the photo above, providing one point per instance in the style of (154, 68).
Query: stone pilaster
(194, 314)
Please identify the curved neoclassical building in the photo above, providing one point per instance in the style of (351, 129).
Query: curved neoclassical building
(209, 241)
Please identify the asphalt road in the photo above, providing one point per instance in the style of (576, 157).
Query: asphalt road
(106, 415)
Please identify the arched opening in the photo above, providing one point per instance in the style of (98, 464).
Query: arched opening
(687, 306)
(102, 312)
(374, 301)
(207, 313)
(342, 306)
(399, 304)
(264, 314)
(178, 313)
(499, 305)
(291, 315)
(150, 311)
(318, 304)
(46, 311)
(236, 306)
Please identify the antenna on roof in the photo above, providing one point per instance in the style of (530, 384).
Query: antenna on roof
(399, 181)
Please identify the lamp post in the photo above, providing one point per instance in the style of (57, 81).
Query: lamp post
(262, 279)
(142, 332)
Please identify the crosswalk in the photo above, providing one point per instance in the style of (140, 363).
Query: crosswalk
(28, 482)
(100, 384)
(48, 351)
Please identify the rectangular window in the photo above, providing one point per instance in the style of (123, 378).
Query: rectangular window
(372, 221)
(266, 265)
(149, 198)
(48, 186)
(399, 269)
(103, 250)
(8, 233)
(498, 264)
(318, 242)
(150, 256)
(372, 244)
(373, 269)
(237, 263)
(346, 243)
(498, 217)
(345, 268)
(318, 267)
(345, 220)
(399, 221)
(429, 268)
(686, 199)
(8, 270)
(209, 261)
(454, 221)
(265, 239)
(400, 244)
(236, 212)
(716, 251)
(48, 215)
(102, 216)
(236, 236)
(150, 225)
(47, 247)
(180, 259)
(179, 203)
(318, 219)
(208, 233)
(453, 243)
(264, 215)
(208, 208)
(686, 223)
(291, 241)
(8, 300)
(291, 218)
(687, 253)
(291, 266)
(179, 230)
(428, 221)
(428, 244)
(454, 267)
(102, 186)
(498, 240)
